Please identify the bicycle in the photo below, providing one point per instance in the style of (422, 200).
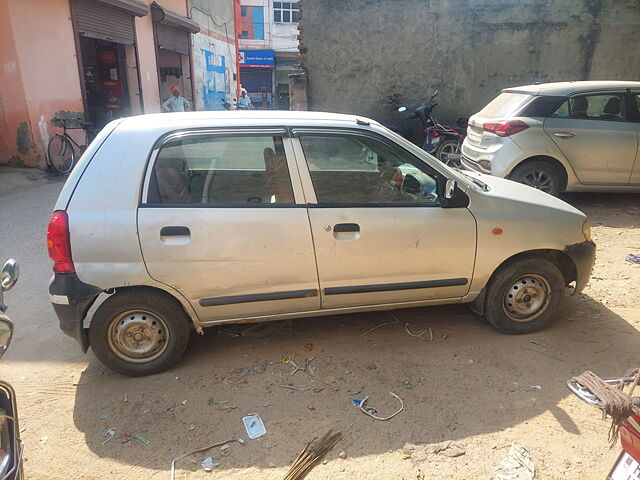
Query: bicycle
(61, 154)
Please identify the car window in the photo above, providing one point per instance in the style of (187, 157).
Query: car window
(541, 106)
(636, 106)
(593, 107)
(348, 169)
(218, 169)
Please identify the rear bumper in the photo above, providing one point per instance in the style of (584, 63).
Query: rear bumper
(500, 157)
(583, 256)
(71, 300)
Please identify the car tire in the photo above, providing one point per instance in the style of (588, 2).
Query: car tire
(523, 295)
(139, 332)
(541, 175)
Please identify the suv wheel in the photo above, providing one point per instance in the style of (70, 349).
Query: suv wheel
(139, 332)
(540, 175)
(524, 295)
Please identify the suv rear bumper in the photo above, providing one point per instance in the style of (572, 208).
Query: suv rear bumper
(584, 257)
(71, 300)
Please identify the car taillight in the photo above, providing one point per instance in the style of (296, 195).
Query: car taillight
(59, 243)
(505, 129)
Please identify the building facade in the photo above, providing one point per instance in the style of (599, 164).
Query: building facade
(98, 60)
(268, 42)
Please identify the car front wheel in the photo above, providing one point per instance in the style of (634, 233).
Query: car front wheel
(523, 295)
(139, 332)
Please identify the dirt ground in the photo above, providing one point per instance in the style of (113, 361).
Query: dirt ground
(470, 385)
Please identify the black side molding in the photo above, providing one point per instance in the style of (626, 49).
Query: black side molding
(387, 287)
(257, 297)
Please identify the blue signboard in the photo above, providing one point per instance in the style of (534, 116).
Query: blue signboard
(257, 58)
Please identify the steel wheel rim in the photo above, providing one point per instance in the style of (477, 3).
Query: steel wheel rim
(138, 336)
(447, 149)
(526, 298)
(540, 180)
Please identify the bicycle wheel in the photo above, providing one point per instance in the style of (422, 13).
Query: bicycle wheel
(60, 154)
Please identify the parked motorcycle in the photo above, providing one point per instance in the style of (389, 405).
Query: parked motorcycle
(609, 396)
(441, 140)
(10, 444)
(226, 105)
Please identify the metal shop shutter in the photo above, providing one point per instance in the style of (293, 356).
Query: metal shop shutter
(99, 21)
(253, 79)
(170, 38)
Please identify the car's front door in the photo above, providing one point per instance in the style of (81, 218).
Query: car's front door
(223, 222)
(597, 138)
(380, 234)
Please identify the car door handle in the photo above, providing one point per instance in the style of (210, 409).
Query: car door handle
(174, 231)
(564, 134)
(346, 227)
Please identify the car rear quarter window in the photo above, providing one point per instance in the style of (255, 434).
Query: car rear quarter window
(504, 105)
(219, 170)
(541, 106)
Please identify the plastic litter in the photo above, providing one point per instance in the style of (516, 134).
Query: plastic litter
(183, 402)
(407, 384)
(372, 414)
(125, 398)
(534, 388)
(449, 449)
(633, 258)
(208, 465)
(172, 471)
(516, 465)
(110, 433)
(356, 401)
(419, 334)
(104, 417)
(301, 388)
(128, 437)
(254, 426)
(395, 322)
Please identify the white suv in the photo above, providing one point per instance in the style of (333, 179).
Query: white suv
(570, 136)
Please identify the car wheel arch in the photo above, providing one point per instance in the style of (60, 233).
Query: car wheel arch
(559, 258)
(557, 164)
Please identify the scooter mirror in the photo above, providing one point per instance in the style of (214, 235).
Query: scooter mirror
(402, 109)
(9, 275)
(6, 332)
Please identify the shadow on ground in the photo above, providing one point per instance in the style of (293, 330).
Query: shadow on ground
(469, 380)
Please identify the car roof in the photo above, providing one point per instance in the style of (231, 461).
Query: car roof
(241, 118)
(568, 88)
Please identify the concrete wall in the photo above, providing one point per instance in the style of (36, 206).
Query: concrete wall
(362, 53)
(213, 52)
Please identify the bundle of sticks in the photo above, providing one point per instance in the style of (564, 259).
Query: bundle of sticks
(312, 454)
(616, 403)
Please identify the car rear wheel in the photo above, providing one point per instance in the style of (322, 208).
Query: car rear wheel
(139, 332)
(540, 175)
(524, 295)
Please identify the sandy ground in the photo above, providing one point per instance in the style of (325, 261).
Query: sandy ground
(470, 385)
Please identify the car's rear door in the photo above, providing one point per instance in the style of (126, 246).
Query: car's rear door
(635, 113)
(223, 221)
(596, 136)
(380, 234)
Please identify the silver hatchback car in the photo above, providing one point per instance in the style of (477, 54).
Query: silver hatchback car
(570, 136)
(190, 220)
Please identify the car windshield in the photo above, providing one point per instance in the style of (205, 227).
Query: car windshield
(505, 104)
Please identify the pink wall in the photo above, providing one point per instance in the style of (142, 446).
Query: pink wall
(45, 47)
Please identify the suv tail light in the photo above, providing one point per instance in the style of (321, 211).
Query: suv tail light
(505, 129)
(59, 243)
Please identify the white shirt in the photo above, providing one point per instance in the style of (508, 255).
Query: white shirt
(176, 104)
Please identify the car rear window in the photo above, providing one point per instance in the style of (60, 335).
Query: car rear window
(505, 104)
(542, 106)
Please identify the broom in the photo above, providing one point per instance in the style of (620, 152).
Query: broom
(312, 454)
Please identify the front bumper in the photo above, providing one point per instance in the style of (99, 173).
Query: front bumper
(584, 257)
(71, 300)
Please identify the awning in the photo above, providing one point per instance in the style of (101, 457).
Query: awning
(133, 7)
(160, 14)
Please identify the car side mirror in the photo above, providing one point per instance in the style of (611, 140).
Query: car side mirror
(450, 189)
(6, 332)
(10, 274)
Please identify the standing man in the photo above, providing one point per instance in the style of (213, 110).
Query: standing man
(244, 102)
(176, 103)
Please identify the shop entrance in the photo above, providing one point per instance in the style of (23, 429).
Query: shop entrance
(108, 78)
(108, 58)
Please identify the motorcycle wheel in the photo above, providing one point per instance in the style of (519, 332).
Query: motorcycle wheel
(445, 148)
